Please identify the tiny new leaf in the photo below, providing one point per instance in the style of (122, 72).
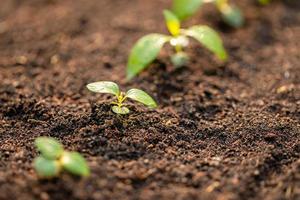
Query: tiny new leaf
(186, 8)
(208, 38)
(172, 22)
(50, 148)
(144, 52)
(104, 87)
(179, 59)
(142, 97)
(75, 163)
(233, 16)
(46, 168)
(120, 110)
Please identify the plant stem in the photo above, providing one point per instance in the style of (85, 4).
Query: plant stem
(178, 48)
(121, 98)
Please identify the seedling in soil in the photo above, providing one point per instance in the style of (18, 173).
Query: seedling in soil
(119, 107)
(54, 159)
(148, 47)
(231, 14)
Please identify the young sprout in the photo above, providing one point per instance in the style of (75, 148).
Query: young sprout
(119, 107)
(148, 47)
(54, 159)
(230, 13)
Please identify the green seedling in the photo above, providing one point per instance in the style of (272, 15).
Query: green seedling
(54, 159)
(230, 13)
(146, 50)
(119, 107)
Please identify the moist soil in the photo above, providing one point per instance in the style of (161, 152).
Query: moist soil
(222, 130)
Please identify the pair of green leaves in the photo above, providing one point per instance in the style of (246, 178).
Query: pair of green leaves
(53, 159)
(230, 13)
(112, 88)
(148, 47)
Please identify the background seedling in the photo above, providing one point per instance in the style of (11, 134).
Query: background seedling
(119, 107)
(54, 159)
(148, 47)
(230, 13)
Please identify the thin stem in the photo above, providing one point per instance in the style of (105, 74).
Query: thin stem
(121, 98)
(178, 48)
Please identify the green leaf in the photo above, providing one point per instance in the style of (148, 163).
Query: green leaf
(179, 59)
(172, 22)
(104, 87)
(186, 8)
(74, 163)
(230, 14)
(142, 97)
(120, 110)
(50, 148)
(208, 38)
(144, 52)
(46, 168)
(233, 17)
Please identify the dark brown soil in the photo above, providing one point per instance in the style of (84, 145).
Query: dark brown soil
(222, 131)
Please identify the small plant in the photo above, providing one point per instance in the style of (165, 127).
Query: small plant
(119, 107)
(230, 13)
(54, 159)
(148, 47)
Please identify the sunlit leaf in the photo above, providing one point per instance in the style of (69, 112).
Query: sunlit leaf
(74, 163)
(142, 97)
(172, 22)
(50, 148)
(144, 52)
(120, 110)
(208, 38)
(186, 8)
(233, 17)
(46, 168)
(104, 87)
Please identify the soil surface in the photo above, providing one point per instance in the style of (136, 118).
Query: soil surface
(222, 130)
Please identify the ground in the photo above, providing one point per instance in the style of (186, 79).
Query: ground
(222, 130)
